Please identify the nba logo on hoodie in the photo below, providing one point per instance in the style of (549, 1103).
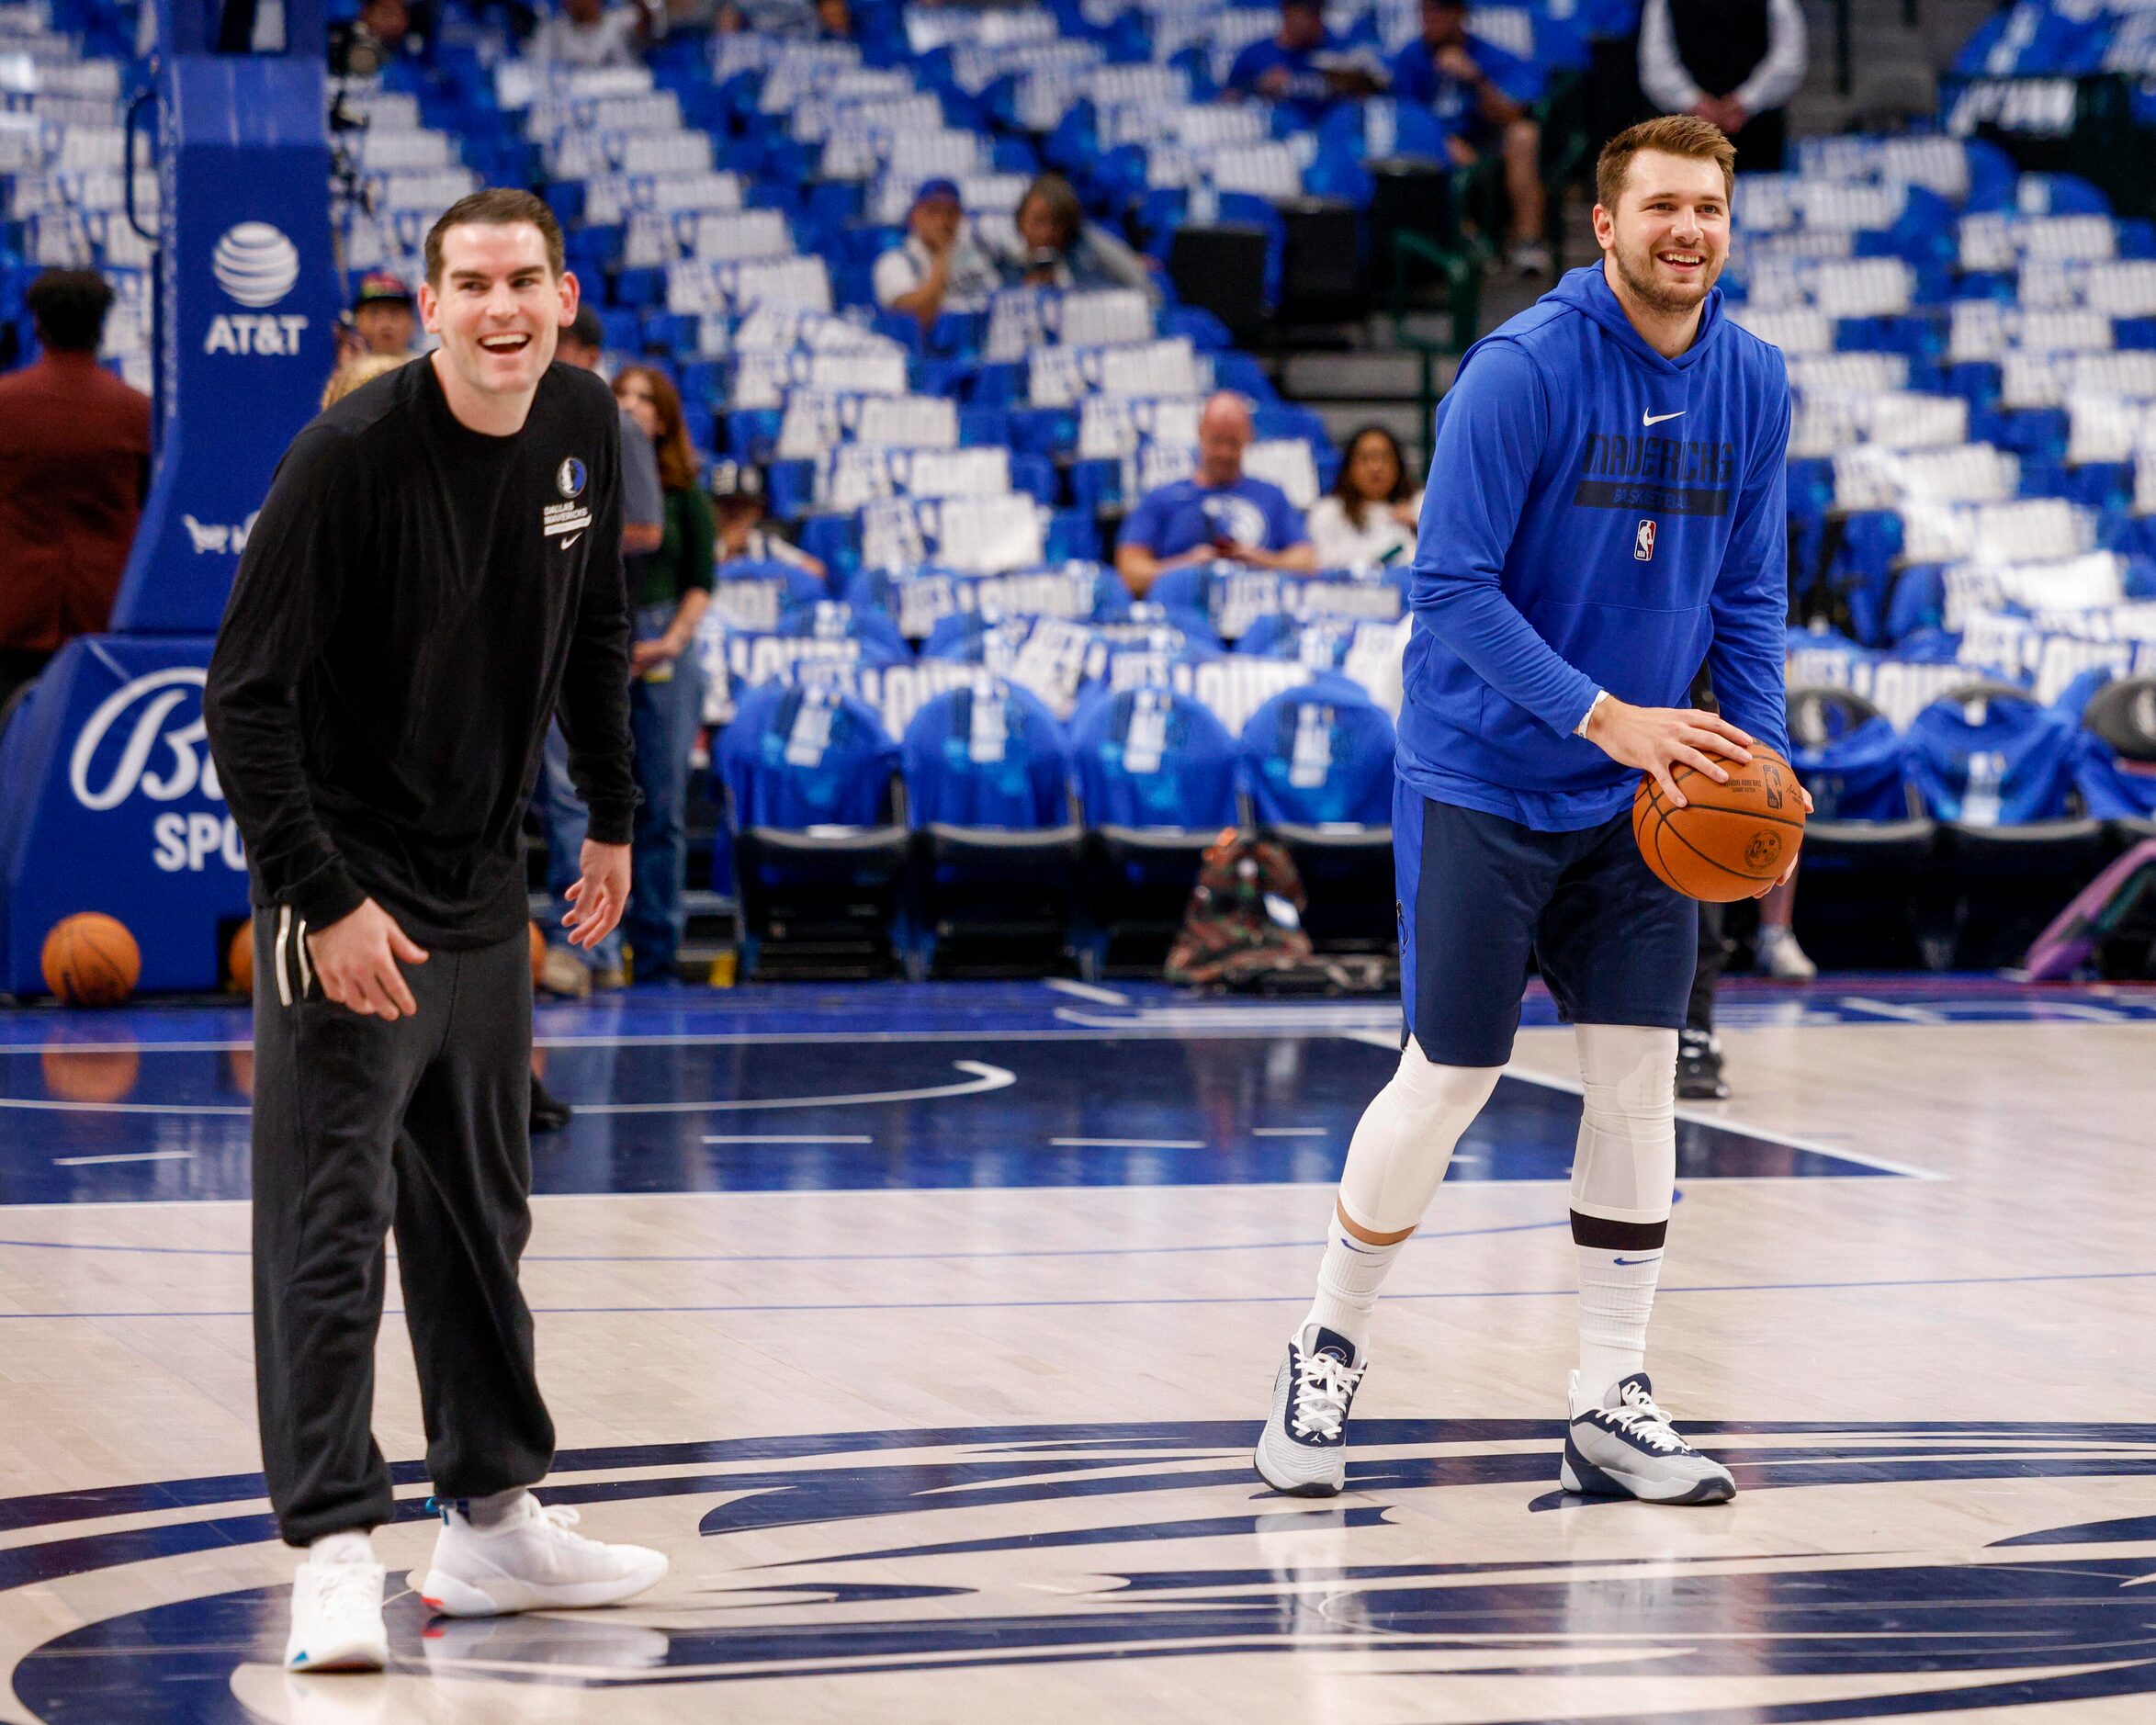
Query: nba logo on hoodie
(1643, 542)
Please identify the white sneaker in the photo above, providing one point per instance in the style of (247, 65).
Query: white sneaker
(337, 1616)
(1779, 955)
(1627, 1448)
(529, 1561)
(1304, 1449)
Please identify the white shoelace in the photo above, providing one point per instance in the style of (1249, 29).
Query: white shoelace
(1326, 1383)
(559, 1518)
(1640, 1418)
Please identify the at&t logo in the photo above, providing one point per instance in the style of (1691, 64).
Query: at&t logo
(256, 266)
(163, 753)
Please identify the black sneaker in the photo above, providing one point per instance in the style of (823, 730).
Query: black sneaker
(1698, 1067)
(548, 1112)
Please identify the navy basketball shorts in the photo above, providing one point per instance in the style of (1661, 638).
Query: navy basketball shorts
(1479, 893)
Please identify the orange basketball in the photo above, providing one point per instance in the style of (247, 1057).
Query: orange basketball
(90, 959)
(239, 961)
(539, 954)
(1730, 839)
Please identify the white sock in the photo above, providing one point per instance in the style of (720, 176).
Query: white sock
(486, 1514)
(1347, 1281)
(1617, 1294)
(355, 1545)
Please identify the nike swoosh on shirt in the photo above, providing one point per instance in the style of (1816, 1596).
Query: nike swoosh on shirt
(1657, 419)
(570, 540)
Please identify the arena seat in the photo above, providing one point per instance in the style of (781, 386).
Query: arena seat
(996, 844)
(1155, 775)
(1315, 766)
(1864, 891)
(2115, 757)
(1847, 755)
(819, 844)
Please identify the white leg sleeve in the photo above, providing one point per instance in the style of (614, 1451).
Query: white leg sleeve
(1403, 1142)
(1625, 1169)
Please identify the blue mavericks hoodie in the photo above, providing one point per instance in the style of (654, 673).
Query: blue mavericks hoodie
(1597, 517)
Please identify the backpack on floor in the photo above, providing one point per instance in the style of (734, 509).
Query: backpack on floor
(1244, 917)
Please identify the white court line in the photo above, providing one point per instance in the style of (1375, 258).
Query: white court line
(139, 1155)
(1699, 1117)
(787, 1138)
(1290, 1131)
(986, 1077)
(1087, 991)
(1886, 1009)
(1129, 1144)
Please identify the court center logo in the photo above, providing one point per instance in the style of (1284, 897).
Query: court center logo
(943, 1553)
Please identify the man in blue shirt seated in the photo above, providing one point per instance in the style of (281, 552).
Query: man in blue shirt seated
(1304, 67)
(1221, 511)
(1481, 95)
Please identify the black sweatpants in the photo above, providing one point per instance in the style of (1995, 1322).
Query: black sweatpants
(362, 1126)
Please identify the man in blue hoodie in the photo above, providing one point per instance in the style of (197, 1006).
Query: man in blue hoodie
(1605, 514)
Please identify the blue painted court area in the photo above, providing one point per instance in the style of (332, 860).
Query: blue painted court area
(882, 1087)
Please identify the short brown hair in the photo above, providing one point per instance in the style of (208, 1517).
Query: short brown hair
(1673, 135)
(495, 207)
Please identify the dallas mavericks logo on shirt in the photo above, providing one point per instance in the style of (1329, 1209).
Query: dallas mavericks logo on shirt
(565, 521)
(1235, 518)
(569, 478)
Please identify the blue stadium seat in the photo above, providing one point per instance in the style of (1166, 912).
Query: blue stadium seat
(987, 777)
(1995, 768)
(1156, 784)
(819, 847)
(1315, 768)
(2115, 755)
(1867, 864)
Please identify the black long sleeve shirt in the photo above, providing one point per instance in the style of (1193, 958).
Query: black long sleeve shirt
(415, 601)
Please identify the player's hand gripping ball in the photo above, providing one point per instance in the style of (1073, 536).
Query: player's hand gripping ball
(1730, 841)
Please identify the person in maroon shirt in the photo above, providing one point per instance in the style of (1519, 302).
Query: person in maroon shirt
(74, 466)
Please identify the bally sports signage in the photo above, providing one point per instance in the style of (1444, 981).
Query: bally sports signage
(119, 810)
(250, 297)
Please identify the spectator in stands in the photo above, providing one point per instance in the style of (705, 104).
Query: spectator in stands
(357, 372)
(1304, 66)
(74, 466)
(381, 315)
(1735, 63)
(568, 971)
(940, 267)
(591, 33)
(1482, 95)
(737, 492)
(834, 20)
(666, 695)
(1059, 248)
(380, 35)
(1369, 518)
(1221, 511)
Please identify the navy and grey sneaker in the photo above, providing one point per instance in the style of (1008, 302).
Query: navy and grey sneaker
(1304, 1449)
(1627, 1448)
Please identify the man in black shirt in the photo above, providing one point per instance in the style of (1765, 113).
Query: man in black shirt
(437, 564)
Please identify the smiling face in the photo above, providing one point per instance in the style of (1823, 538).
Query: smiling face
(498, 309)
(1668, 237)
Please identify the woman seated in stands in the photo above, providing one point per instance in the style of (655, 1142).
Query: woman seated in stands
(1059, 248)
(736, 494)
(1371, 515)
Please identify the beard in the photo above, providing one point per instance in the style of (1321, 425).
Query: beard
(1637, 269)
